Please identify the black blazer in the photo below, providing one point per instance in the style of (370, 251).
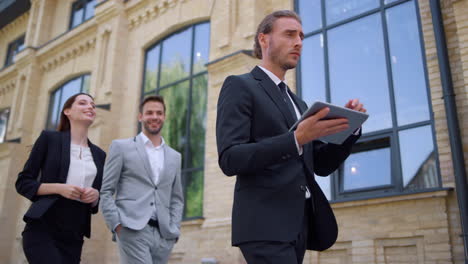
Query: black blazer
(48, 162)
(254, 144)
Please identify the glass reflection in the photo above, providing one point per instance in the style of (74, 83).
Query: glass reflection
(175, 127)
(367, 169)
(338, 10)
(193, 194)
(201, 48)
(324, 183)
(311, 11)
(176, 53)
(90, 9)
(312, 70)
(78, 15)
(407, 65)
(358, 69)
(390, 1)
(418, 158)
(198, 121)
(151, 69)
(53, 115)
(3, 123)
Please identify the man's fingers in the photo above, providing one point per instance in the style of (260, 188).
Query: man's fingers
(322, 113)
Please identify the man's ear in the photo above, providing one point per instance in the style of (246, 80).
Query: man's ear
(263, 40)
(139, 117)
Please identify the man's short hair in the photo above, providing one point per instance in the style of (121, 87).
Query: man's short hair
(266, 26)
(153, 98)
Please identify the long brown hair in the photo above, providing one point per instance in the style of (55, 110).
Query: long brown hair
(64, 124)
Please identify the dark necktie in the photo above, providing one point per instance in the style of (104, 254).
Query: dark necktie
(287, 101)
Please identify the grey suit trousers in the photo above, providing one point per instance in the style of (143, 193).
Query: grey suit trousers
(143, 246)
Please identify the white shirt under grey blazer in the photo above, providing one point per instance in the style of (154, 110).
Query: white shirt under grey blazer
(129, 176)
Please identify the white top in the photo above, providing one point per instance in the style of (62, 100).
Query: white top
(82, 170)
(155, 156)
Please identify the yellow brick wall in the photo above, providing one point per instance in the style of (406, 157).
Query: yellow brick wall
(418, 228)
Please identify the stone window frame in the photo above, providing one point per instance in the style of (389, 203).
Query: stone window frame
(366, 142)
(14, 47)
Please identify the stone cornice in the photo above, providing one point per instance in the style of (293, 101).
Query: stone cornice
(15, 23)
(7, 87)
(151, 12)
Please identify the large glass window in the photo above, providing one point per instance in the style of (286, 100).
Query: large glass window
(82, 10)
(4, 115)
(14, 48)
(175, 68)
(372, 50)
(59, 96)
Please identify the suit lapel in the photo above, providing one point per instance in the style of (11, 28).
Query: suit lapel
(140, 146)
(298, 102)
(65, 156)
(274, 93)
(166, 166)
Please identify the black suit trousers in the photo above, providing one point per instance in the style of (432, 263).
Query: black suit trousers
(277, 252)
(42, 245)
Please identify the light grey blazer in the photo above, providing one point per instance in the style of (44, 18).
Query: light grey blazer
(128, 175)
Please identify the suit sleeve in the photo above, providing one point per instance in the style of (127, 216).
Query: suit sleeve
(27, 183)
(177, 199)
(237, 154)
(110, 179)
(95, 208)
(328, 157)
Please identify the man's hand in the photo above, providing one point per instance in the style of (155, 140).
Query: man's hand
(117, 229)
(355, 105)
(70, 191)
(89, 195)
(313, 127)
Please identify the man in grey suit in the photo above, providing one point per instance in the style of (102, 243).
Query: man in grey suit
(144, 174)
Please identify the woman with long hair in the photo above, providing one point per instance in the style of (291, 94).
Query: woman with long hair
(62, 177)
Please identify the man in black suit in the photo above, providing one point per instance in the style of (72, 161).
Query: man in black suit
(279, 210)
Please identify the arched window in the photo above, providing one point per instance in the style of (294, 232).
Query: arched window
(59, 96)
(372, 50)
(175, 68)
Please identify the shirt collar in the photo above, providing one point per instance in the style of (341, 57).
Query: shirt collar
(272, 76)
(147, 141)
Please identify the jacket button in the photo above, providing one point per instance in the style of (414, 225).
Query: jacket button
(303, 188)
(151, 204)
(155, 188)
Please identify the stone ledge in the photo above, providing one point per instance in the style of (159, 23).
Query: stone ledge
(394, 198)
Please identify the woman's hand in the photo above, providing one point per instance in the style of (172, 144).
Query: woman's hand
(69, 191)
(89, 195)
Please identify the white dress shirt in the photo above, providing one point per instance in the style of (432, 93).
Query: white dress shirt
(155, 158)
(82, 170)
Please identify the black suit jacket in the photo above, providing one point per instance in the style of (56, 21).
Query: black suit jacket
(254, 144)
(48, 162)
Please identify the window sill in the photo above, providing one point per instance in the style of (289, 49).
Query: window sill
(193, 222)
(388, 198)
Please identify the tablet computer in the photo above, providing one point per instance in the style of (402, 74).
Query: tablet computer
(355, 119)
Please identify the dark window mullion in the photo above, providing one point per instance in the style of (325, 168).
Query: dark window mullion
(396, 172)
(83, 17)
(189, 107)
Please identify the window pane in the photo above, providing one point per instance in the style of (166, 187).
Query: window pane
(69, 89)
(418, 158)
(176, 57)
(324, 183)
(341, 9)
(312, 70)
(367, 169)
(198, 121)
(86, 83)
(201, 48)
(175, 126)
(194, 194)
(151, 68)
(358, 69)
(311, 11)
(389, 1)
(78, 11)
(3, 124)
(90, 9)
(53, 112)
(407, 65)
